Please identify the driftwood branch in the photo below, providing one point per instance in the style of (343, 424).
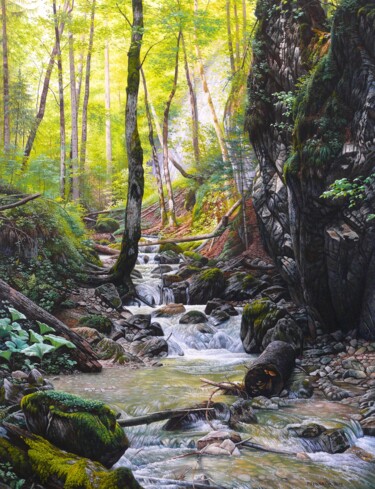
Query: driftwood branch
(262, 448)
(173, 482)
(106, 250)
(19, 202)
(228, 387)
(159, 416)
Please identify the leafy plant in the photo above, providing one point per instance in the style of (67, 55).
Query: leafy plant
(8, 476)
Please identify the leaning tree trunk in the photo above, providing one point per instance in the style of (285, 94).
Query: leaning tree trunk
(132, 233)
(155, 159)
(108, 133)
(43, 97)
(61, 106)
(82, 159)
(74, 121)
(267, 375)
(5, 79)
(82, 354)
(230, 39)
(167, 176)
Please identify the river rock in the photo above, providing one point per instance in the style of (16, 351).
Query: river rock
(242, 412)
(368, 426)
(218, 437)
(218, 304)
(169, 310)
(108, 293)
(15, 390)
(167, 257)
(310, 430)
(206, 285)
(218, 317)
(150, 348)
(161, 269)
(334, 441)
(286, 329)
(86, 428)
(91, 335)
(193, 317)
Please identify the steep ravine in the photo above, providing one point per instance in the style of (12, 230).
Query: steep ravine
(307, 137)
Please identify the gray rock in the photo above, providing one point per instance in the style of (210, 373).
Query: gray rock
(108, 293)
(193, 317)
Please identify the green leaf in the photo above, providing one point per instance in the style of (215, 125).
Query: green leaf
(58, 341)
(16, 315)
(38, 350)
(44, 328)
(35, 337)
(4, 322)
(6, 354)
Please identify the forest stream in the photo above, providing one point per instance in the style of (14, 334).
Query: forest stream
(175, 382)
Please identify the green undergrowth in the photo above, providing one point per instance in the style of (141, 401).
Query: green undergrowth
(101, 323)
(43, 248)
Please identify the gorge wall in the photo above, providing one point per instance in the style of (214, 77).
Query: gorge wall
(311, 121)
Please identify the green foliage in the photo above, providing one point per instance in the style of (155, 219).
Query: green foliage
(353, 192)
(171, 247)
(8, 476)
(107, 225)
(101, 323)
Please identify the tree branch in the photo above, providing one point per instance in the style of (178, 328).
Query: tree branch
(19, 202)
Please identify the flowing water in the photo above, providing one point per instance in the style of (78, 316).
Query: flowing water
(205, 351)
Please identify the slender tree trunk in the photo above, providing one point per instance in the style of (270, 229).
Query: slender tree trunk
(43, 97)
(215, 120)
(6, 101)
(244, 33)
(155, 159)
(62, 105)
(82, 159)
(108, 134)
(171, 211)
(193, 105)
(132, 233)
(74, 122)
(238, 56)
(230, 39)
(80, 71)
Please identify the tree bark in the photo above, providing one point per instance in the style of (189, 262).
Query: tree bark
(19, 202)
(244, 33)
(132, 233)
(230, 39)
(237, 26)
(171, 205)
(268, 374)
(43, 97)
(108, 134)
(6, 101)
(161, 415)
(61, 105)
(82, 159)
(74, 122)
(82, 354)
(193, 105)
(215, 120)
(155, 159)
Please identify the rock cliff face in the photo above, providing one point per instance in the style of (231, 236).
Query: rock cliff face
(323, 248)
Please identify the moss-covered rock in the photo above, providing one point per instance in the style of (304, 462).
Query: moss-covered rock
(194, 256)
(101, 323)
(87, 428)
(108, 293)
(193, 317)
(171, 247)
(15, 456)
(207, 285)
(107, 225)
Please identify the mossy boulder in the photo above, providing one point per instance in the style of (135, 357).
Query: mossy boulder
(108, 293)
(96, 321)
(207, 285)
(193, 317)
(257, 318)
(87, 428)
(171, 247)
(107, 225)
(168, 257)
(196, 257)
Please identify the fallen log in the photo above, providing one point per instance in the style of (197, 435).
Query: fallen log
(86, 359)
(106, 250)
(160, 416)
(267, 375)
(262, 448)
(231, 388)
(19, 202)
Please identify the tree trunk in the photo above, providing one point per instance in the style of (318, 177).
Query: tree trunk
(171, 209)
(268, 374)
(61, 104)
(244, 33)
(82, 354)
(230, 40)
(215, 120)
(82, 159)
(6, 101)
(155, 159)
(74, 122)
(238, 56)
(162, 415)
(43, 97)
(108, 134)
(132, 233)
(193, 106)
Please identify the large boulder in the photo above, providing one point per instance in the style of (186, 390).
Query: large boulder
(84, 427)
(207, 285)
(193, 317)
(108, 293)
(150, 347)
(286, 329)
(169, 310)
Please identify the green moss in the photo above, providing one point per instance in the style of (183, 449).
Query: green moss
(257, 308)
(16, 457)
(249, 281)
(171, 247)
(196, 256)
(98, 322)
(107, 225)
(75, 472)
(212, 275)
